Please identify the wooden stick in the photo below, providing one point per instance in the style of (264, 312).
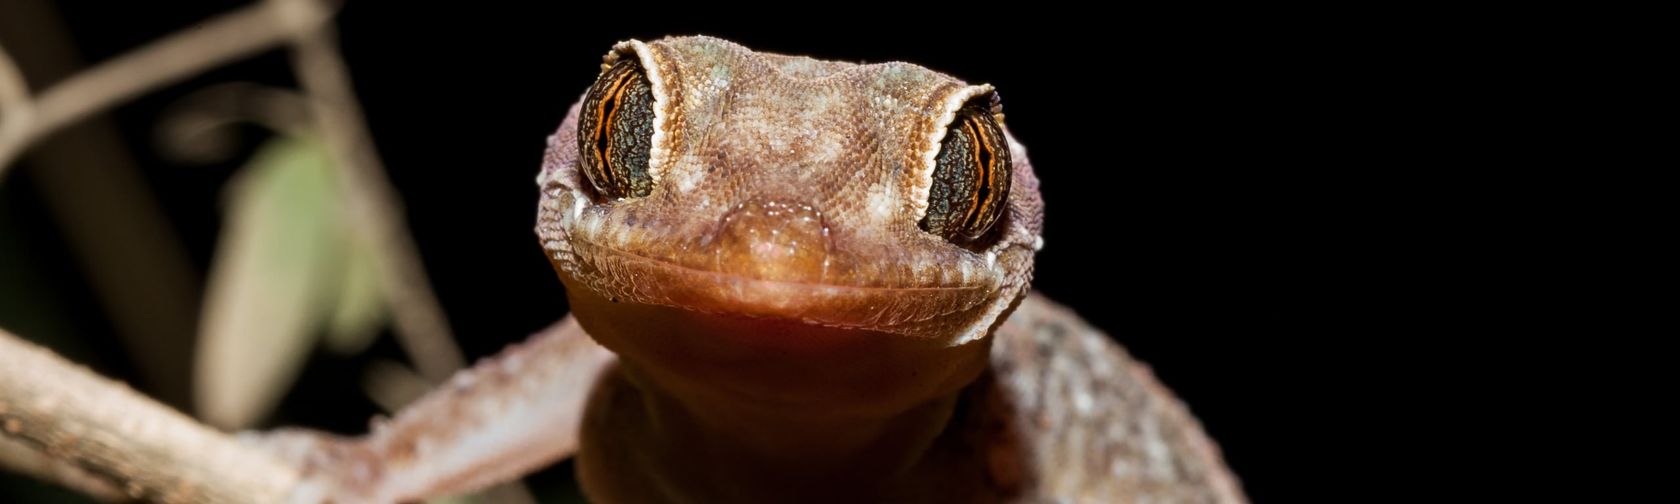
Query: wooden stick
(19, 457)
(145, 449)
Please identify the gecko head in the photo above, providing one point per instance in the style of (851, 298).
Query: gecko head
(784, 203)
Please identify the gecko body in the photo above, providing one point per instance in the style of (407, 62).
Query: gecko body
(813, 279)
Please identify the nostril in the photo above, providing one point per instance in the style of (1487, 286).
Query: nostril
(773, 240)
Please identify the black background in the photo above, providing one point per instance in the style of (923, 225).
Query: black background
(1216, 182)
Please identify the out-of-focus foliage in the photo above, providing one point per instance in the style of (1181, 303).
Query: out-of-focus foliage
(286, 269)
(359, 309)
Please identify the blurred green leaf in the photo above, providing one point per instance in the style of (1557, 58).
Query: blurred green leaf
(284, 269)
(359, 308)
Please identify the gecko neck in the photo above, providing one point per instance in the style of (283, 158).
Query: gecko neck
(746, 439)
(702, 399)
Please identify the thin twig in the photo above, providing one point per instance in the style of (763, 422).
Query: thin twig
(421, 326)
(14, 91)
(100, 426)
(15, 110)
(392, 385)
(372, 203)
(91, 187)
(199, 127)
(103, 427)
(186, 53)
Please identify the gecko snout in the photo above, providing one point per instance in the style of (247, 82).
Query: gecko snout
(773, 239)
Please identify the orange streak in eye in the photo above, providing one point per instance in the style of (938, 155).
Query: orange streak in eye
(609, 98)
(617, 91)
(595, 134)
(991, 167)
(972, 216)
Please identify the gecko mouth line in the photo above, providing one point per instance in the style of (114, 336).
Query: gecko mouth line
(660, 282)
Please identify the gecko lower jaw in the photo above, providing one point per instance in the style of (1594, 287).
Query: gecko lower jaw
(619, 276)
(774, 366)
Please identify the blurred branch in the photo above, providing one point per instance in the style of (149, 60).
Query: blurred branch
(92, 188)
(19, 457)
(199, 127)
(15, 110)
(103, 427)
(176, 57)
(372, 205)
(14, 91)
(392, 385)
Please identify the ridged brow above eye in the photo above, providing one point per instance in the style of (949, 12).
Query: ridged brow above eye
(615, 131)
(971, 177)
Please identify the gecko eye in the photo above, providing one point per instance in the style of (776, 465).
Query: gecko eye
(616, 131)
(970, 178)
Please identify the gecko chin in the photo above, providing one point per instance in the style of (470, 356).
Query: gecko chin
(771, 362)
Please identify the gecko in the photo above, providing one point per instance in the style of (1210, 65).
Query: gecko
(792, 280)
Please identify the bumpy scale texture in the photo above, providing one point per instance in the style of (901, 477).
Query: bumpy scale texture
(788, 188)
(748, 145)
(741, 133)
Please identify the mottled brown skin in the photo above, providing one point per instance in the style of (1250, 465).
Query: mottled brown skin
(785, 329)
(787, 332)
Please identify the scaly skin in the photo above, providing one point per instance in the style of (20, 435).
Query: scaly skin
(784, 331)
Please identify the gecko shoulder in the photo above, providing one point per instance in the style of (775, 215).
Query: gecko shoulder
(1066, 412)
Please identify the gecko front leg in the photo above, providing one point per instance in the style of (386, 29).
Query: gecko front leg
(506, 416)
